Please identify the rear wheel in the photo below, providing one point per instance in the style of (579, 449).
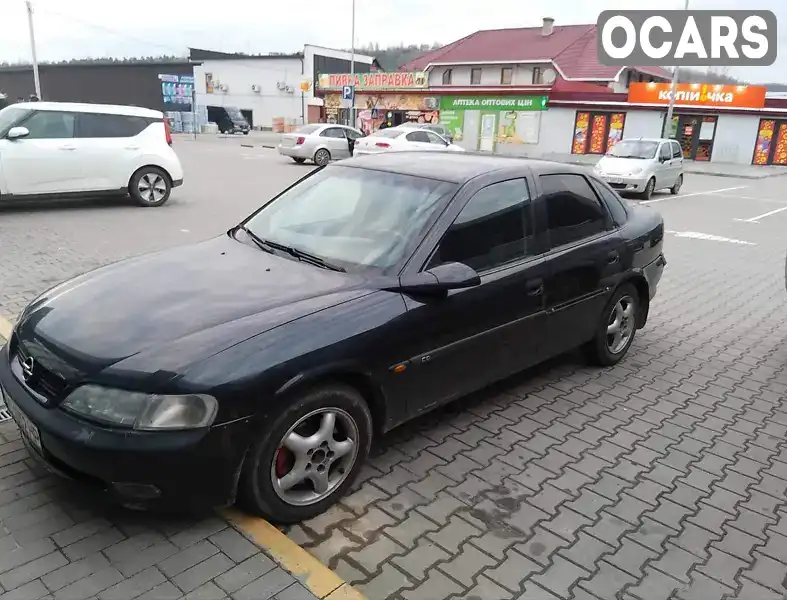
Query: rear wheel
(676, 188)
(150, 186)
(322, 157)
(307, 459)
(616, 329)
(300, 161)
(649, 189)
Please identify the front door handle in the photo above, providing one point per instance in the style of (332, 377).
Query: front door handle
(68, 147)
(535, 287)
(613, 257)
(132, 147)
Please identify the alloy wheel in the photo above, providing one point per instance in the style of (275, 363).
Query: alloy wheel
(315, 456)
(152, 187)
(621, 324)
(322, 158)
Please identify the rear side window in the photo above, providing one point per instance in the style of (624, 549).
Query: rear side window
(613, 202)
(573, 210)
(676, 151)
(333, 132)
(50, 125)
(92, 125)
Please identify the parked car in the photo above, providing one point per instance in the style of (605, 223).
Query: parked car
(229, 119)
(398, 139)
(263, 361)
(60, 150)
(440, 130)
(320, 143)
(642, 166)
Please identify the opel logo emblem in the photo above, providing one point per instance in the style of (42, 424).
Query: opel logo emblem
(27, 368)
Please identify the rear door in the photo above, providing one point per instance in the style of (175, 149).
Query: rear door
(335, 140)
(677, 160)
(44, 162)
(583, 258)
(478, 335)
(110, 148)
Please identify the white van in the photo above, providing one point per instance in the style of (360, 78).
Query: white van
(59, 150)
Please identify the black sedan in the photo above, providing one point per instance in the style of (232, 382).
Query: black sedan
(261, 363)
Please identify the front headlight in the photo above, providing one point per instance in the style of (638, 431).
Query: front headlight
(636, 171)
(136, 410)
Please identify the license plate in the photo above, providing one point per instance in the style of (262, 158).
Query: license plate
(25, 425)
(614, 179)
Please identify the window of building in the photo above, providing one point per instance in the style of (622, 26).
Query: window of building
(475, 76)
(50, 125)
(494, 228)
(447, 76)
(574, 212)
(506, 76)
(597, 133)
(538, 76)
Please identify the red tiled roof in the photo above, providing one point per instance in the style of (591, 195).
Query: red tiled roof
(571, 47)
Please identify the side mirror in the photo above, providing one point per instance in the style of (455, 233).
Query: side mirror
(441, 279)
(17, 133)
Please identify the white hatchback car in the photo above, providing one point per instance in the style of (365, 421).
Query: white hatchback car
(60, 150)
(401, 139)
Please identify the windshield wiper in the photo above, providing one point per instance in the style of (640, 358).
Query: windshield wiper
(301, 255)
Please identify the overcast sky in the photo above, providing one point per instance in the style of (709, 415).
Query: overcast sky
(91, 28)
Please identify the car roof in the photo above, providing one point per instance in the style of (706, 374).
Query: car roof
(454, 167)
(647, 140)
(109, 109)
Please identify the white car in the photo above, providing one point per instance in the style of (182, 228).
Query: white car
(58, 150)
(397, 139)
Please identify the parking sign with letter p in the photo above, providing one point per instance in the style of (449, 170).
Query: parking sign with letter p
(348, 92)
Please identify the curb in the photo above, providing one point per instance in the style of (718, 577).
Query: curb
(310, 572)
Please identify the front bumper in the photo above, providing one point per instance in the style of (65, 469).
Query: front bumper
(179, 470)
(294, 151)
(633, 184)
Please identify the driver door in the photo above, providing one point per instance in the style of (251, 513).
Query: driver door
(472, 337)
(418, 140)
(436, 141)
(664, 167)
(335, 140)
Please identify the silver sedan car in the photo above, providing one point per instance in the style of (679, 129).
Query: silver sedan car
(320, 143)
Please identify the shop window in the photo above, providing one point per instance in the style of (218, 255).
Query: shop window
(475, 76)
(506, 76)
(695, 134)
(538, 76)
(447, 76)
(771, 146)
(596, 133)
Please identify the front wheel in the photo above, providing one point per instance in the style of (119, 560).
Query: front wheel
(676, 188)
(649, 189)
(150, 187)
(307, 459)
(616, 329)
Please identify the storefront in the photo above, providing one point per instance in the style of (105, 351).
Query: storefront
(380, 98)
(771, 145)
(597, 132)
(492, 123)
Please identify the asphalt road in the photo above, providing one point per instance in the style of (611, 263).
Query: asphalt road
(665, 476)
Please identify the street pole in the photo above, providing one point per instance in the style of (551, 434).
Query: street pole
(671, 108)
(33, 48)
(352, 69)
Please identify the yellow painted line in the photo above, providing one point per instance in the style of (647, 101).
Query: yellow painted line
(5, 329)
(315, 576)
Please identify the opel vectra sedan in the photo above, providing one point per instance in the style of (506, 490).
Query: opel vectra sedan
(263, 361)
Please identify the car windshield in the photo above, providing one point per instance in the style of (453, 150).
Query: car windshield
(9, 116)
(355, 218)
(634, 149)
(388, 133)
(235, 114)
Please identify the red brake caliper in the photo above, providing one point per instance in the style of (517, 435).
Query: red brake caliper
(282, 462)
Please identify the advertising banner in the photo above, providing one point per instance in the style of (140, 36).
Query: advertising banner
(515, 103)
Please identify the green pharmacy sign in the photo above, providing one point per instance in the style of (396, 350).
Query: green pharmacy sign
(515, 103)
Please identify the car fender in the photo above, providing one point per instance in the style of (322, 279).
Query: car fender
(150, 159)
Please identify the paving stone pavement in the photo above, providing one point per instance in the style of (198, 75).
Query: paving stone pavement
(664, 477)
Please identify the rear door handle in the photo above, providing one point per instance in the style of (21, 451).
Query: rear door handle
(68, 147)
(535, 287)
(613, 257)
(132, 147)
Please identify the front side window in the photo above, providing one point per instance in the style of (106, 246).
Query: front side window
(493, 229)
(434, 138)
(676, 151)
(109, 126)
(352, 134)
(50, 125)
(418, 136)
(355, 217)
(475, 76)
(573, 210)
(333, 132)
(666, 153)
(10, 116)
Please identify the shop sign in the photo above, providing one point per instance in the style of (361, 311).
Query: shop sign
(699, 94)
(373, 81)
(515, 103)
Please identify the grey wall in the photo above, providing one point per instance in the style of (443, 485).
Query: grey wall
(735, 138)
(643, 124)
(135, 84)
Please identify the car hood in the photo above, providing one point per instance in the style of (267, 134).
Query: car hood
(169, 309)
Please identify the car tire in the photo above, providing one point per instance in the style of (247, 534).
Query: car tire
(676, 188)
(268, 461)
(606, 348)
(650, 187)
(322, 157)
(300, 161)
(150, 187)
